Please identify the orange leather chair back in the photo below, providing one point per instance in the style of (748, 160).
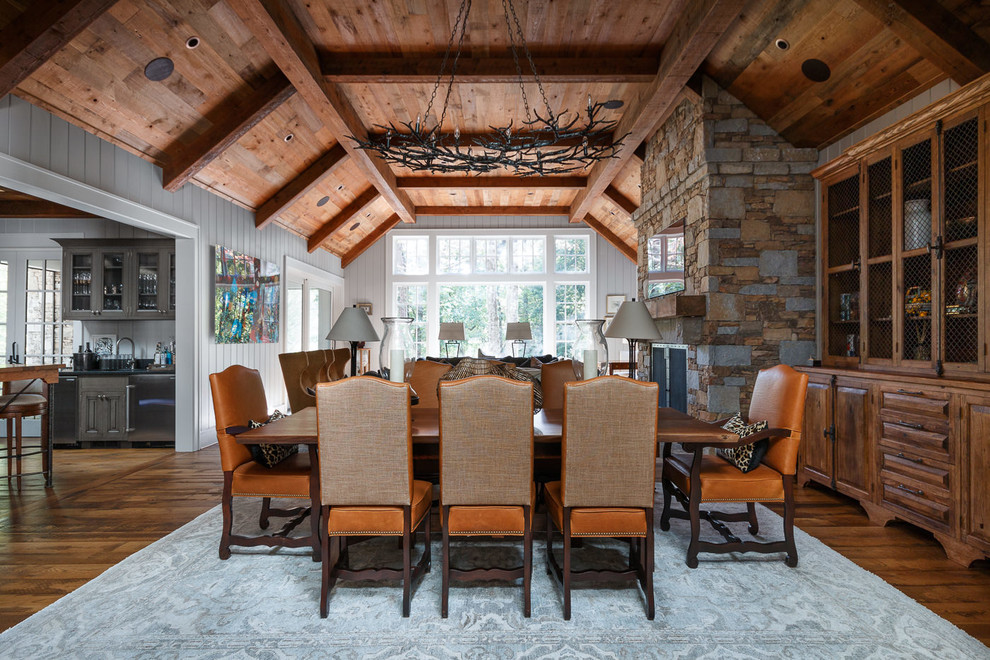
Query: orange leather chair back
(293, 371)
(238, 396)
(425, 379)
(552, 379)
(317, 369)
(341, 356)
(778, 397)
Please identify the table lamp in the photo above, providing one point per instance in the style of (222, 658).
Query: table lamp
(353, 325)
(633, 323)
(451, 333)
(518, 333)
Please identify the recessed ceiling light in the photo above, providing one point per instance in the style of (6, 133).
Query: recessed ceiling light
(192, 42)
(159, 69)
(782, 44)
(368, 214)
(323, 200)
(815, 70)
(355, 226)
(340, 187)
(288, 138)
(613, 104)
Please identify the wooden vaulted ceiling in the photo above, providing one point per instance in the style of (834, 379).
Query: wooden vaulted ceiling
(260, 111)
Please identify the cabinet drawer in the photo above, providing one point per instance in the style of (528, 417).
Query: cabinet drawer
(916, 434)
(917, 402)
(933, 474)
(105, 384)
(920, 492)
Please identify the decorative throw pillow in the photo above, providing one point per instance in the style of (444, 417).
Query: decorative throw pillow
(747, 457)
(468, 367)
(270, 455)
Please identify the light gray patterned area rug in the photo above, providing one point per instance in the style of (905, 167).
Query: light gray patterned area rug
(176, 599)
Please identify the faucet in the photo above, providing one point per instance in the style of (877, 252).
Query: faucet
(116, 349)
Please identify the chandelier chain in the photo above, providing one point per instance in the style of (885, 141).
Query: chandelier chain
(515, 57)
(462, 16)
(529, 57)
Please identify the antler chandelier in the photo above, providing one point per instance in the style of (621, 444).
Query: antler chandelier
(544, 143)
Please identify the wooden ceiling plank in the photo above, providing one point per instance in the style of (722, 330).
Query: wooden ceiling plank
(624, 204)
(492, 210)
(24, 208)
(35, 36)
(360, 203)
(624, 248)
(697, 31)
(293, 191)
(937, 34)
(369, 240)
(388, 69)
(491, 182)
(279, 32)
(231, 126)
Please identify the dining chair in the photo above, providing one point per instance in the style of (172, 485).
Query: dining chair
(336, 370)
(294, 374)
(608, 449)
(20, 399)
(425, 379)
(239, 397)
(778, 397)
(486, 472)
(366, 479)
(552, 378)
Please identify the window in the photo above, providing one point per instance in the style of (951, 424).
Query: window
(47, 340)
(490, 255)
(293, 317)
(572, 303)
(410, 300)
(665, 262)
(528, 254)
(410, 256)
(571, 254)
(3, 313)
(454, 256)
(485, 309)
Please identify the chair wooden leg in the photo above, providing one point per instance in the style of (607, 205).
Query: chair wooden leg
(665, 514)
(325, 579)
(549, 542)
(19, 440)
(792, 556)
(648, 569)
(228, 514)
(567, 564)
(695, 517)
(266, 503)
(527, 559)
(754, 522)
(428, 533)
(445, 571)
(406, 558)
(46, 449)
(10, 448)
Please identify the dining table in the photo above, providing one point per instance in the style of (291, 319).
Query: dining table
(48, 375)
(300, 429)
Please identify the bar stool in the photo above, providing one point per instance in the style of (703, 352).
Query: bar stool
(20, 399)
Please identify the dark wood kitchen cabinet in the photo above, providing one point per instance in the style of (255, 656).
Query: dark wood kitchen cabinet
(102, 409)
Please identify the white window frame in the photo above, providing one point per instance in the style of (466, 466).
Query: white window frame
(309, 277)
(548, 277)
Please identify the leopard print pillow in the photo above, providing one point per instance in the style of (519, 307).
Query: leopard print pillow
(747, 457)
(270, 455)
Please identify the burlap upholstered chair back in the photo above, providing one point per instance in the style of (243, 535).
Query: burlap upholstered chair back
(238, 397)
(778, 397)
(365, 442)
(552, 379)
(609, 442)
(486, 441)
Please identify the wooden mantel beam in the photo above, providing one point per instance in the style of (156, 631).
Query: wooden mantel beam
(937, 34)
(491, 182)
(35, 36)
(294, 190)
(368, 241)
(232, 122)
(389, 69)
(280, 33)
(625, 249)
(698, 29)
(360, 203)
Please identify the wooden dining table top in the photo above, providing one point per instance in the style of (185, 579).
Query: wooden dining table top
(46, 372)
(672, 426)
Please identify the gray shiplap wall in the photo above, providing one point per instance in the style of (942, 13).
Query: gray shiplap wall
(37, 137)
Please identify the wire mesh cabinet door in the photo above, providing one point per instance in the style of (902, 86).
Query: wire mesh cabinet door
(841, 291)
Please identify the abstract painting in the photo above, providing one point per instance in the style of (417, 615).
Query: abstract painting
(246, 307)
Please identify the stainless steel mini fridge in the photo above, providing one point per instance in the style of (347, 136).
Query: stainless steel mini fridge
(151, 409)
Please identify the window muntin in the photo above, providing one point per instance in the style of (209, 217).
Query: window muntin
(665, 262)
(47, 340)
(528, 255)
(571, 254)
(571, 304)
(490, 255)
(411, 300)
(453, 255)
(411, 255)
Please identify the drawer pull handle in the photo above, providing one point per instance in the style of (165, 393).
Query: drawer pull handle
(900, 454)
(911, 425)
(915, 393)
(919, 493)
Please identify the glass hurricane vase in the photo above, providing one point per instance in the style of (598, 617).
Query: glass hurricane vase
(396, 346)
(591, 348)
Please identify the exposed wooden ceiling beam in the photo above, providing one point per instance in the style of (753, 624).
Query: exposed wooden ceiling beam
(24, 208)
(279, 32)
(491, 182)
(937, 34)
(231, 122)
(360, 203)
(623, 203)
(640, 152)
(368, 241)
(376, 68)
(697, 31)
(35, 36)
(294, 190)
(492, 210)
(625, 249)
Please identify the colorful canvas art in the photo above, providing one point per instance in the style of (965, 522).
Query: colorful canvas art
(246, 307)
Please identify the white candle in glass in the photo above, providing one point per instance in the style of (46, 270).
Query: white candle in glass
(590, 364)
(397, 366)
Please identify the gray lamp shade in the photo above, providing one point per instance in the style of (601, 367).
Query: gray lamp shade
(353, 324)
(633, 321)
(518, 331)
(451, 331)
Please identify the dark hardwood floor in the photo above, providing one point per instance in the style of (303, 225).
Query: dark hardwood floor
(107, 503)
